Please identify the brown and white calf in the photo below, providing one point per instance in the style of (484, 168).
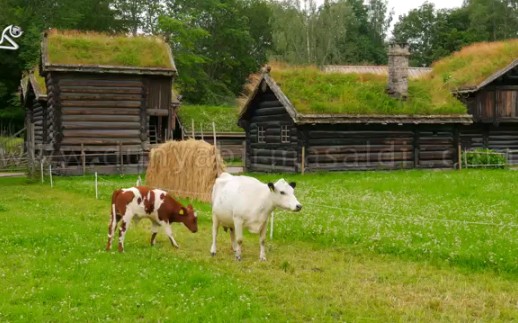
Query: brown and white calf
(154, 204)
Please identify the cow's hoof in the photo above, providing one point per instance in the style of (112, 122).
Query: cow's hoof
(262, 259)
(213, 254)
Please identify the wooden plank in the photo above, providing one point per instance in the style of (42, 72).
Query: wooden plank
(74, 125)
(273, 152)
(277, 110)
(360, 166)
(104, 111)
(101, 118)
(96, 133)
(372, 157)
(355, 148)
(98, 141)
(101, 104)
(99, 96)
(97, 148)
(264, 104)
(268, 168)
(99, 83)
(157, 112)
(103, 90)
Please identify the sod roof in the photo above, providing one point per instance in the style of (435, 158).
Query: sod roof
(224, 117)
(476, 65)
(73, 48)
(312, 91)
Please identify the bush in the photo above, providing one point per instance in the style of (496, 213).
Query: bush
(483, 158)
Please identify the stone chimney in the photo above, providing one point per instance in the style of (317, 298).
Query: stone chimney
(397, 85)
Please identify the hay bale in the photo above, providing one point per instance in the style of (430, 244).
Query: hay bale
(185, 168)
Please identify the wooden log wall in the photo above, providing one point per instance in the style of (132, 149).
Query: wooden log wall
(97, 111)
(343, 147)
(230, 145)
(494, 104)
(436, 147)
(271, 153)
(501, 138)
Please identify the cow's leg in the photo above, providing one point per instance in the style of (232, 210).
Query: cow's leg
(238, 228)
(232, 239)
(262, 240)
(215, 226)
(169, 232)
(114, 219)
(154, 230)
(126, 220)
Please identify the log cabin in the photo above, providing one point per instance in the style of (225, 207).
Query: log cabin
(105, 94)
(391, 117)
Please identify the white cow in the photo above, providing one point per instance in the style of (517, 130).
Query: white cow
(244, 202)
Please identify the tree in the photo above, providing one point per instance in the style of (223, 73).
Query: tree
(225, 50)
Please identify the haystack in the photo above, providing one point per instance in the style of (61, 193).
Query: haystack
(185, 168)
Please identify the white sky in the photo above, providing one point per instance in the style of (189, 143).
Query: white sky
(403, 6)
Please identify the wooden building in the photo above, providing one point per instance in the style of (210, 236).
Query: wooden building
(280, 139)
(493, 103)
(282, 134)
(37, 115)
(104, 94)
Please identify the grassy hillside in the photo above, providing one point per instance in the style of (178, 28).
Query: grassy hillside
(313, 91)
(89, 48)
(224, 117)
(473, 64)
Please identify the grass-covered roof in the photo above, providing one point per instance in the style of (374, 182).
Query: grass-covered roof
(312, 91)
(65, 47)
(224, 117)
(473, 64)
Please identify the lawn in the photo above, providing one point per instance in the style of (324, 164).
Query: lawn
(382, 246)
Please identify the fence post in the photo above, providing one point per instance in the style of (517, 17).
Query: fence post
(214, 132)
(50, 174)
(201, 130)
(465, 158)
(41, 170)
(121, 161)
(243, 156)
(83, 159)
(96, 191)
(192, 128)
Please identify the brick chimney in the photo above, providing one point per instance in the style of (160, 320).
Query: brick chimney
(397, 86)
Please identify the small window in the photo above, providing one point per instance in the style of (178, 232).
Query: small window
(285, 134)
(260, 135)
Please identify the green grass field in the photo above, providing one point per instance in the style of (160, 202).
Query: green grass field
(367, 246)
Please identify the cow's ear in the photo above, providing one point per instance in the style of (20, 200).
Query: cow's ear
(293, 184)
(271, 186)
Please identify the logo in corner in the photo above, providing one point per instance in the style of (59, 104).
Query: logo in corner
(8, 34)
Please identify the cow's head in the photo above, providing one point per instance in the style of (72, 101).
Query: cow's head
(188, 216)
(284, 195)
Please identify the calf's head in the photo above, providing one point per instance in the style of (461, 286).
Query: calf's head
(188, 216)
(283, 195)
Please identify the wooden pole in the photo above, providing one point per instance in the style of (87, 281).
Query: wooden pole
(96, 190)
(214, 132)
(201, 131)
(41, 170)
(121, 161)
(192, 128)
(243, 156)
(83, 158)
(50, 174)
(465, 158)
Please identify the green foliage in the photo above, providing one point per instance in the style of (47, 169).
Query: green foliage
(433, 34)
(224, 117)
(483, 158)
(313, 91)
(11, 145)
(215, 45)
(72, 48)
